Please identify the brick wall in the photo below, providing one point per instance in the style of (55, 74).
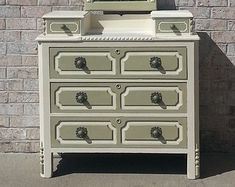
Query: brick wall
(20, 23)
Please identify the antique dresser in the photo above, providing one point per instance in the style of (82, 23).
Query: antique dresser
(124, 80)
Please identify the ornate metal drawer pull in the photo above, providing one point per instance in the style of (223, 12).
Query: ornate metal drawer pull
(156, 97)
(156, 132)
(81, 132)
(155, 62)
(80, 62)
(81, 97)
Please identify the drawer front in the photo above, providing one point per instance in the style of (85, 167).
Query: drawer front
(73, 62)
(138, 62)
(157, 62)
(164, 132)
(118, 132)
(172, 26)
(118, 97)
(82, 132)
(63, 26)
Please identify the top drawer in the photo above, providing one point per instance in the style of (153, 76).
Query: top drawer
(118, 63)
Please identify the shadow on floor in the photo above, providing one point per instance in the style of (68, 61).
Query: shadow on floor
(211, 164)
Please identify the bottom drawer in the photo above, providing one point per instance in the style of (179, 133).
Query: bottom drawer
(118, 132)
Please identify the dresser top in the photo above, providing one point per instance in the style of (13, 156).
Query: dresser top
(66, 14)
(171, 14)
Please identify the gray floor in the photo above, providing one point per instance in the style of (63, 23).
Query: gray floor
(107, 170)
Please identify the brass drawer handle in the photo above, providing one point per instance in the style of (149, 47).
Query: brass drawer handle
(81, 132)
(80, 62)
(81, 97)
(156, 132)
(155, 62)
(156, 97)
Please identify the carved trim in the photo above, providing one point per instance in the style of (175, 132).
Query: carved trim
(191, 26)
(197, 160)
(44, 27)
(41, 158)
(115, 38)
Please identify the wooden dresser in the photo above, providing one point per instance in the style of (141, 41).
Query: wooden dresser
(119, 84)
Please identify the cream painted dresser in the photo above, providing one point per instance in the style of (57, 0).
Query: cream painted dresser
(119, 84)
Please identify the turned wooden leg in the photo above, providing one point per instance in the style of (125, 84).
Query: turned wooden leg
(46, 163)
(193, 164)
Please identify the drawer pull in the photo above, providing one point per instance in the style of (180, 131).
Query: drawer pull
(156, 132)
(81, 132)
(156, 97)
(80, 62)
(155, 62)
(81, 97)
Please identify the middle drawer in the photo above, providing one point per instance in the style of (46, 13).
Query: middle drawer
(118, 97)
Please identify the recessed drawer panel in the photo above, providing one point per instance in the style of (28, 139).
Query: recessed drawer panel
(155, 97)
(63, 26)
(158, 63)
(165, 132)
(74, 63)
(82, 132)
(81, 97)
(176, 26)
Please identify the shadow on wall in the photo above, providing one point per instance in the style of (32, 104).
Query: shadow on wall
(217, 99)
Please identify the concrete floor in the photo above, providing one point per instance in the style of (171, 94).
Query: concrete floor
(107, 170)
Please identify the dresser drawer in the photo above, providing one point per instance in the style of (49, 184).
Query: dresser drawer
(82, 132)
(138, 62)
(172, 25)
(118, 132)
(155, 131)
(63, 26)
(118, 97)
(155, 63)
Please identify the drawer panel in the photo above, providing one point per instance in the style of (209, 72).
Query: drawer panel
(121, 63)
(158, 63)
(118, 132)
(63, 26)
(172, 25)
(67, 132)
(155, 132)
(72, 63)
(154, 97)
(118, 97)
(82, 97)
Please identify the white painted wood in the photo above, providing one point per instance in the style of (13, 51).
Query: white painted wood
(119, 150)
(120, 37)
(193, 144)
(45, 141)
(66, 14)
(171, 14)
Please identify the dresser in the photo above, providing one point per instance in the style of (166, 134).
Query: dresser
(118, 84)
